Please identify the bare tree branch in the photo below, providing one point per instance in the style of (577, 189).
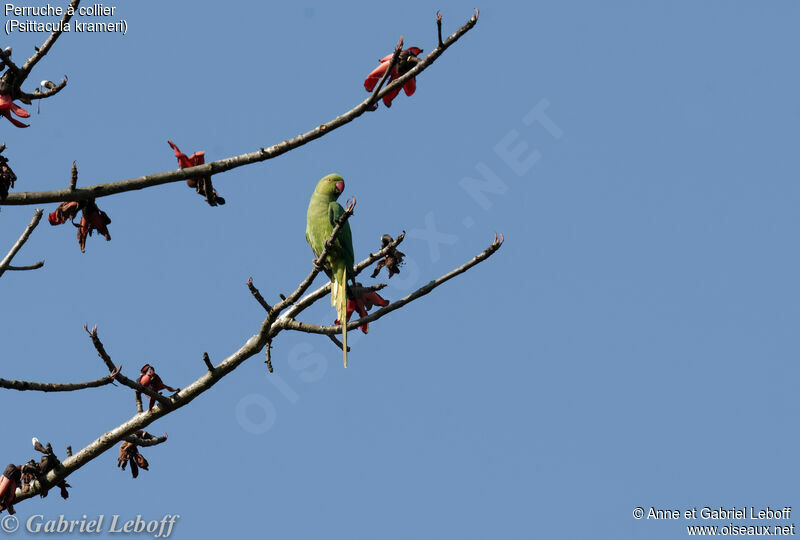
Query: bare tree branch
(101, 352)
(139, 421)
(45, 48)
(43, 94)
(73, 176)
(292, 324)
(222, 165)
(207, 362)
(257, 295)
(58, 387)
(33, 266)
(439, 26)
(150, 441)
(337, 342)
(269, 327)
(11, 81)
(5, 264)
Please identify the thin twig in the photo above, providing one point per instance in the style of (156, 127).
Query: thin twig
(58, 387)
(257, 295)
(222, 165)
(33, 266)
(6, 262)
(207, 361)
(45, 48)
(337, 342)
(73, 177)
(42, 94)
(439, 27)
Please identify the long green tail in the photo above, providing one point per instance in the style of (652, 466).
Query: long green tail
(339, 301)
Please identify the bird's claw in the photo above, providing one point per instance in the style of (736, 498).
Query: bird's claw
(498, 242)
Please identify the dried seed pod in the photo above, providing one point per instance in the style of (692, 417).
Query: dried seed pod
(7, 176)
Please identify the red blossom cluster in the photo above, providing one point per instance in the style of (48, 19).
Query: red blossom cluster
(406, 60)
(361, 301)
(149, 379)
(92, 219)
(203, 184)
(9, 482)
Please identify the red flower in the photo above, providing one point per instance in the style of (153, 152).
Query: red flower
(405, 61)
(66, 210)
(93, 219)
(198, 158)
(7, 106)
(9, 481)
(202, 185)
(150, 380)
(362, 300)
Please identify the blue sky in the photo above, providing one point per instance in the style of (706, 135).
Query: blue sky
(632, 344)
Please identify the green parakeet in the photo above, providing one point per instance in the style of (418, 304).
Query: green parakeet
(323, 213)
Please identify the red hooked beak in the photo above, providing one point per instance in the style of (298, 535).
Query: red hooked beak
(339, 187)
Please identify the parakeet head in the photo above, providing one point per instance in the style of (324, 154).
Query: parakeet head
(330, 186)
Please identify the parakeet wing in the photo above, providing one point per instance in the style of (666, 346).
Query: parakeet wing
(344, 240)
